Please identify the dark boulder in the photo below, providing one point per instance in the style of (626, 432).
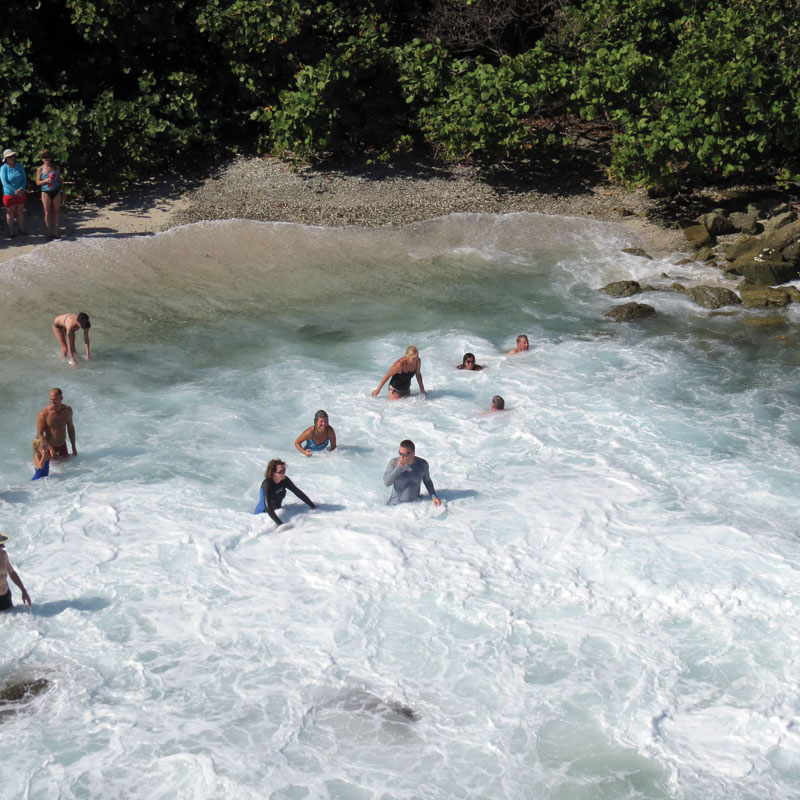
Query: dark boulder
(698, 236)
(14, 691)
(630, 312)
(767, 272)
(713, 296)
(746, 222)
(717, 222)
(622, 288)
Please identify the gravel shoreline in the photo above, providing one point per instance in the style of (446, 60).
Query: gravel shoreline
(378, 195)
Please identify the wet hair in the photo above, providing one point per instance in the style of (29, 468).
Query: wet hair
(498, 403)
(56, 389)
(321, 414)
(83, 320)
(408, 444)
(521, 337)
(411, 352)
(37, 443)
(466, 356)
(276, 462)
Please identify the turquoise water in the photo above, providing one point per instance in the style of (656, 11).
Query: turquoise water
(605, 607)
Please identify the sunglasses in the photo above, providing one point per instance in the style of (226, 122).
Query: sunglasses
(280, 471)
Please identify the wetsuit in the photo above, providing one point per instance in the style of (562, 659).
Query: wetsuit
(310, 444)
(405, 481)
(272, 495)
(401, 382)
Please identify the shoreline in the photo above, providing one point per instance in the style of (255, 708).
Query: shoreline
(352, 193)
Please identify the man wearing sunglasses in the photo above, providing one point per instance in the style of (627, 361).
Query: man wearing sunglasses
(405, 474)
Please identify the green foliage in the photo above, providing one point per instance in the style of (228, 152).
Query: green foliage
(120, 90)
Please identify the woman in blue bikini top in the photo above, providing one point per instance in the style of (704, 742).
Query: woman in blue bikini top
(317, 437)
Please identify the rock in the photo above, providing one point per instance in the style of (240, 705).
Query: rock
(14, 691)
(713, 296)
(780, 208)
(679, 264)
(722, 314)
(637, 251)
(746, 223)
(678, 287)
(648, 288)
(779, 221)
(759, 295)
(630, 312)
(747, 248)
(772, 321)
(792, 291)
(698, 236)
(767, 272)
(624, 212)
(703, 254)
(717, 222)
(621, 288)
(791, 253)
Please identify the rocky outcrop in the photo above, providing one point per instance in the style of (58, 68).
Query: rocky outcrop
(14, 691)
(712, 296)
(622, 288)
(631, 312)
(769, 272)
(698, 236)
(760, 295)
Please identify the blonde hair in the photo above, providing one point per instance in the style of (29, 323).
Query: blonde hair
(411, 352)
(37, 443)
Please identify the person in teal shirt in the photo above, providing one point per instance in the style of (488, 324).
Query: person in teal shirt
(14, 180)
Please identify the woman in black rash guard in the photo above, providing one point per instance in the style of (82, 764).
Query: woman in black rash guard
(273, 490)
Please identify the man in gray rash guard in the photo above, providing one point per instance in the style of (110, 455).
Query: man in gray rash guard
(406, 473)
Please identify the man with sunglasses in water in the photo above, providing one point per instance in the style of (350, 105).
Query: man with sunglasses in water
(405, 474)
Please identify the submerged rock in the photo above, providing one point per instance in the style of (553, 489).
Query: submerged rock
(622, 288)
(713, 296)
(772, 321)
(759, 295)
(630, 312)
(14, 691)
(637, 251)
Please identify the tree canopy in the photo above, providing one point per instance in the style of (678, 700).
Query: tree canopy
(683, 90)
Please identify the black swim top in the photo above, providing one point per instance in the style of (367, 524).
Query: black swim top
(401, 381)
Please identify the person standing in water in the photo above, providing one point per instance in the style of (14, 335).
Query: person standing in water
(401, 373)
(54, 423)
(405, 474)
(64, 327)
(14, 180)
(273, 490)
(316, 438)
(48, 179)
(6, 572)
(522, 345)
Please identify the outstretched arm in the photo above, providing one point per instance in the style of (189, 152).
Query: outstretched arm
(71, 344)
(419, 377)
(297, 492)
(306, 434)
(71, 432)
(393, 370)
(26, 598)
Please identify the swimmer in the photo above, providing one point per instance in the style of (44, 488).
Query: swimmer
(498, 404)
(65, 327)
(401, 373)
(54, 423)
(6, 572)
(468, 362)
(405, 474)
(522, 345)
(41, 459)
(273, 490)
(317, 437)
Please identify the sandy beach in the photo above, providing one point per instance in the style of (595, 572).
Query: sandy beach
(355, 193)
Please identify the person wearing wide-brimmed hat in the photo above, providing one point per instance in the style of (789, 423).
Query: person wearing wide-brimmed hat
(6, 572)
(14, 180)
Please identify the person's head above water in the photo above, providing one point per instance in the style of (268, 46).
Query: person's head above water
(83, 320)
(276, 469)
(498, 404)
(522, 342)
(321, 415)
(411, 352)
(469, 360)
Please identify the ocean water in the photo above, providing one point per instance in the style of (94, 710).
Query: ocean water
(606, 605)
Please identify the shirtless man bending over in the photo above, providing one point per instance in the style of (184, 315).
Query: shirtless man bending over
(54, 423)
(65, 327)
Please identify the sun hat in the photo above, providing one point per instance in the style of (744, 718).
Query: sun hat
(3, 538)
(7, 153)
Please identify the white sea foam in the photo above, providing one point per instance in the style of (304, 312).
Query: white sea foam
(605, 607)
